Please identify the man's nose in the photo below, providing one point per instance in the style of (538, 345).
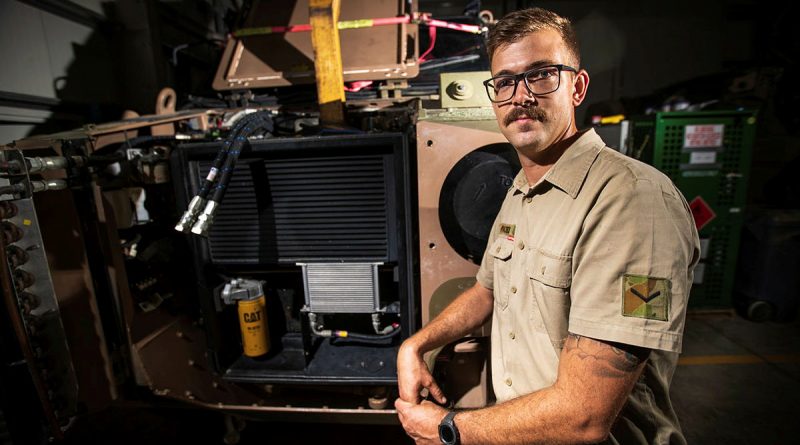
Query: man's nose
(522, 96)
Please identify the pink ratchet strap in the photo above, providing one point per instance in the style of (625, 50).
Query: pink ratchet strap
(418, 18)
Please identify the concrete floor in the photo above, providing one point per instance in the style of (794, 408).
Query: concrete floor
(738, 382)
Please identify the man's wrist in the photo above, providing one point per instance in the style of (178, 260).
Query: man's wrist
(410, 346)
(463, 419)
(448, 430)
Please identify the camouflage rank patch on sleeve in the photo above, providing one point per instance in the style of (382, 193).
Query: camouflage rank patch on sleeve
(645, 297)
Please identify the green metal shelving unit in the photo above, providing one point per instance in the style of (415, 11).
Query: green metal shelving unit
(707, 155)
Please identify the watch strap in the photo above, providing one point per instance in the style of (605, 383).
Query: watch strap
(449, 423)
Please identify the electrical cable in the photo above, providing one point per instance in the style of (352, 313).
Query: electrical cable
(432, 37)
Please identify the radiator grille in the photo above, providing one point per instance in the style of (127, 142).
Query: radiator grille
(291, 209)
(341, 287)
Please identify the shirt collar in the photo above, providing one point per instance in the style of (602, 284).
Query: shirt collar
(569, 172)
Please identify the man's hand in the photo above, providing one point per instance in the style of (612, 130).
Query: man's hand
(421, 422)
(413, 375)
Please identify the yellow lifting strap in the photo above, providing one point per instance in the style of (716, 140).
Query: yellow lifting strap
(324, 16)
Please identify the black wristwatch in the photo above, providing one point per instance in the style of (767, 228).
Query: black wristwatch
(448, 432)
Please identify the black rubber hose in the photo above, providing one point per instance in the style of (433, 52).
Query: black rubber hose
(11, 189)
(222, 154)
(133, 142)
(106, 159)
(208, 181)
(373, 337)
(367, 338)
(129, 143)
(263, 122)
(203, 102)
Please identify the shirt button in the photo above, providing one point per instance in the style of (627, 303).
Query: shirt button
(497, 250)
(508, 381)
(512, 335)
(513, 290)
(529, 199)
(521, 245)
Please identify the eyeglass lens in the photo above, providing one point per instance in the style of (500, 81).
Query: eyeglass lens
(543, 81)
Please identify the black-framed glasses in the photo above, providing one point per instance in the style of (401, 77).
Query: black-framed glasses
(539, 81)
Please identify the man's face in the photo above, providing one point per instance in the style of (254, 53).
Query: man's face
(549, 118)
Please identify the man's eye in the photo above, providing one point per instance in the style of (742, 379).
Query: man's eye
(542, 74)
(503, 83)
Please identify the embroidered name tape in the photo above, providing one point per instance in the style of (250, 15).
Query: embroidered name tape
(508, 230)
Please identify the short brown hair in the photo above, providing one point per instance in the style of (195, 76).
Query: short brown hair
(518, 24)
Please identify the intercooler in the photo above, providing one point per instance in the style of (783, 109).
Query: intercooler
(341, 287)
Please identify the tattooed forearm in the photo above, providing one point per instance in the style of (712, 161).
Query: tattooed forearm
(612, 359)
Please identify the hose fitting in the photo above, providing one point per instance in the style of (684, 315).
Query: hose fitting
(205, 219)
(190, 215)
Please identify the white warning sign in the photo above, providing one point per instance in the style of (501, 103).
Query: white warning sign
(703, 136)
(703, 157)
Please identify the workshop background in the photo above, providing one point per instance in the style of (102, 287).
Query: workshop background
(70, 63)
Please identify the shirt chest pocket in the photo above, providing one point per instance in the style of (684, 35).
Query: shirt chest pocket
(550, 278)
(501, 249)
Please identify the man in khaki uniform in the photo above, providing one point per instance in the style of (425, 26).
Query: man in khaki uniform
(586, 275)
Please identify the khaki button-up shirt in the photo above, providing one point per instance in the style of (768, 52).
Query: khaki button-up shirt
(603, 246)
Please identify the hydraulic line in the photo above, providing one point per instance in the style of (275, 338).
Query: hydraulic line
(200, 201)
(138, 140)
(260, 121)
(365, 338)
(222, 154)
(390, 331)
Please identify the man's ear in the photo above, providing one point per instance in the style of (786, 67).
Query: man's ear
(580, 87)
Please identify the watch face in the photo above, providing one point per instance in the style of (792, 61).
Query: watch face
(446, 434)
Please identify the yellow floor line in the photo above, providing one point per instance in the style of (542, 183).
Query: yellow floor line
(745, 359)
